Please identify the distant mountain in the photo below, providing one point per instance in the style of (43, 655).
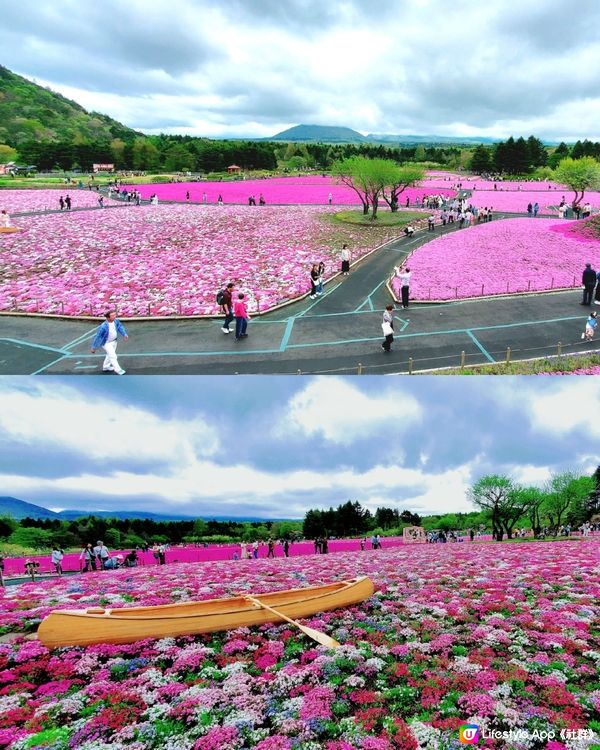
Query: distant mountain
(18, 509)
(319, 134)
(31, 112)
(430, 139)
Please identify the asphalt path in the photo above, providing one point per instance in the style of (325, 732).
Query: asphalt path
(339, 332)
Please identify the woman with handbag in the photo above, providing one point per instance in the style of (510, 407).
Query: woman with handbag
(387, 326)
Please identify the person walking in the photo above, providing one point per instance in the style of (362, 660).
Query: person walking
(102, 554)
(320, 278)
(68, 202)
(530, 210)
(240, 313)
(271, 548)
(106, 337)
(597, 295)
(57, 558)
(536, 209)
(88, 558)
(61, 203)
(227, 306)
(286, 548)
(387, 326)
(588, 281)
(345, 256)
(314, 278)
(404, 276)
(590, 327)
(329, 198)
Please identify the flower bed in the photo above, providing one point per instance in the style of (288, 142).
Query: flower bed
(165, 260)
(17, 201)
(501, 257)
(516, 202)
(302, 190)
(504, 636)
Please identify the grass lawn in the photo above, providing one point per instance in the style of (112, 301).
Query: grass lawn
(564, 364)
(384, 218)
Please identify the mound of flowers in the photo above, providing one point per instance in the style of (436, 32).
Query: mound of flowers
(282, 190)
(501, 257)
(18, 201)
(505, 636)
(164, 260)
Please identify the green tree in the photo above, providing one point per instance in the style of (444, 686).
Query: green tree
(7, 153)
(7, 526)
(481, 161)
(559, 153)
(200, 527)
(179, 159)
(566, 497)
(31, 537)
(580, 175)
(397, 179)
(145, 155)
(492, 494)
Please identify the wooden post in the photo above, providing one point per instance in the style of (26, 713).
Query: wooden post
(559, 349)
(179, 307)
(360, 368)
(552, 285)
(456, 292)
(482, 290)
(410, 365)
(148, 309)
(299, 372)
(462, 360)
(529, 285)
(507, 283)
(508, 355)
(62, 308)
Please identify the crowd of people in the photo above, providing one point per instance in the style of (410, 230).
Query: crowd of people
(252, 551)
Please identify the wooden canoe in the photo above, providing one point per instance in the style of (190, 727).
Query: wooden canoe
(9, 230)
(72, 627)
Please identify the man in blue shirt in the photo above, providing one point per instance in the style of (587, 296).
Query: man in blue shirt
(106, 337)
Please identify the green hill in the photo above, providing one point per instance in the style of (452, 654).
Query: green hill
(319, 134)
(30, 112)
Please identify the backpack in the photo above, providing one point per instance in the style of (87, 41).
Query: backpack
(221, 297)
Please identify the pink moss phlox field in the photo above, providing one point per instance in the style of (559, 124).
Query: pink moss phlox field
(17, 201)
(471, 182)
(290, 190)
(188, 554)
(164, 260)
(515, 202)
(582, 371)
(503, 256)
(505, 636)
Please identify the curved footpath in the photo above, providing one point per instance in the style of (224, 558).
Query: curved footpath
(337, 333)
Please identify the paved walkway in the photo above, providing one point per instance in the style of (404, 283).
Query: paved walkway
(337, 333)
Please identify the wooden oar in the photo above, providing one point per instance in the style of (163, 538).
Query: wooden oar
(316, 635)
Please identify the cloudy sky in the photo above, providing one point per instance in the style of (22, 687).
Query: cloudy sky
(274, 447)
(255, 67)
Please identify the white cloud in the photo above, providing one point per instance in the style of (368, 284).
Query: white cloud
(574, 404)
(340, 413)
(60, 417)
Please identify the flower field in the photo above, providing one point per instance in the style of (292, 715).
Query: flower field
(283, 190)
(164, 260)
(512, 255)
(503, 636)
(516, 202)
(17, 201)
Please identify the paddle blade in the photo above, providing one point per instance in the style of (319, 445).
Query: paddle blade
(319, 637)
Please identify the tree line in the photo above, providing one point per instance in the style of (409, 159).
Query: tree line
(177, 153)
(520, 156)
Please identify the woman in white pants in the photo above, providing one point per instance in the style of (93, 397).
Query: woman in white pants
(106, 337)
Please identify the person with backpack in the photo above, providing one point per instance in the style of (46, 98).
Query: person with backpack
(225, 302)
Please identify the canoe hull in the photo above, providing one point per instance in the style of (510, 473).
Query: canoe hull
(127, 625)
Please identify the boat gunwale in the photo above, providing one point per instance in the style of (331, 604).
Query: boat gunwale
(119, 612)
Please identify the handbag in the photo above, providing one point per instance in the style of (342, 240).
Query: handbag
(387, 328)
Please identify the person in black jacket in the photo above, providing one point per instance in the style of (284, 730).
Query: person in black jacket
(589, 282)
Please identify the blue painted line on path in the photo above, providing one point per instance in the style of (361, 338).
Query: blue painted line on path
(81, 338)
(481, 348)
(34, 346)
(286, 334)
(50, 364)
